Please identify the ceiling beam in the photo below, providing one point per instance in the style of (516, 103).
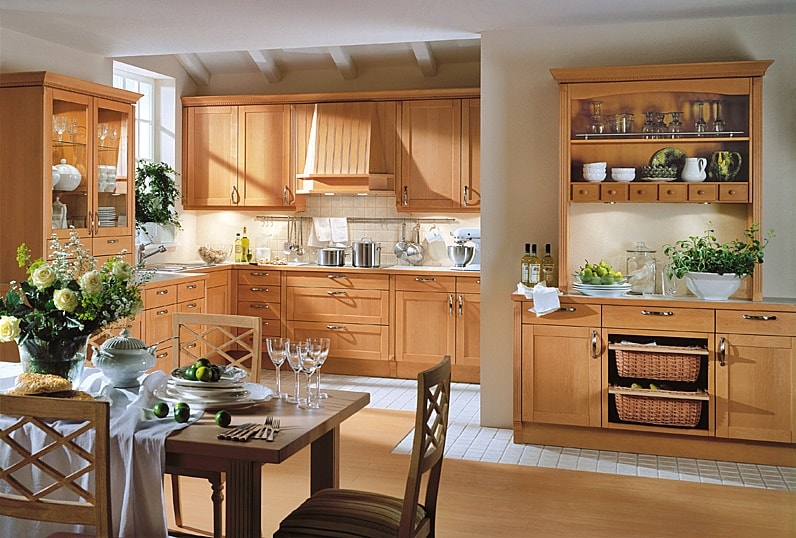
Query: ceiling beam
(344, 63)
(266, 64)
(195, 68)
(425, 58)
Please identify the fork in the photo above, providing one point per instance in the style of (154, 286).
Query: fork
(263, 431)
(274, 429)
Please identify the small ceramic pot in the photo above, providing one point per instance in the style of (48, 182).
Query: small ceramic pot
(123, 359)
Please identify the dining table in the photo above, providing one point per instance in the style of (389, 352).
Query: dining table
(137, 493)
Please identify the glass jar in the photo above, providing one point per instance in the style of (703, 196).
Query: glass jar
(641, 269)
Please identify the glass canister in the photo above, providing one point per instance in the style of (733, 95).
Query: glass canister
(641, 269)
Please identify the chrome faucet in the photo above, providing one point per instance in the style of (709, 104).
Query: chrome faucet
(143, 254)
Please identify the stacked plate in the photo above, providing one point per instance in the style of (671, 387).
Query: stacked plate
(106, 216)
(602, 290)
(230, 391)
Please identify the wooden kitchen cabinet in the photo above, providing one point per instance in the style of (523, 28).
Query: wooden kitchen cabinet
(756, 375)
(259, 293)
(437, 316)
(237, 156)
(637, 90)
(439, 155)
(100, 206)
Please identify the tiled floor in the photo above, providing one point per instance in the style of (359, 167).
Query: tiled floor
(468, 440)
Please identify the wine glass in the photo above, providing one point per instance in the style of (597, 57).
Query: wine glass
(295, 351)
(113, 132)
(675, 126)
(309, 365)
(277, 351)
(660, 124)
(102, 132)
(718, 124)
(318, 348)
(71, 128)
(649, 124)
(597, 122)
(59, 126)
(700, 126)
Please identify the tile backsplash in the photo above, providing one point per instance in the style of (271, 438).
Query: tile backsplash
(200, 227)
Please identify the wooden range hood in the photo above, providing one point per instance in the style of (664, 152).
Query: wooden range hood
(349, 147)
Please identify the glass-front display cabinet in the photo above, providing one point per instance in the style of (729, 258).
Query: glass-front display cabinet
(68, 162)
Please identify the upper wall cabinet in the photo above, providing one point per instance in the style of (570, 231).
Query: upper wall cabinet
(661, 115)
(439, 155)
(237, 156)
(67, 149)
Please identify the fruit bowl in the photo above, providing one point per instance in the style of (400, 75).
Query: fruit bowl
(620, 282)
(213, 254)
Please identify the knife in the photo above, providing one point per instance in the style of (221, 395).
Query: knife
(233, 432)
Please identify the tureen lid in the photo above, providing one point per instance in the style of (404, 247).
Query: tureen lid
(124, 342)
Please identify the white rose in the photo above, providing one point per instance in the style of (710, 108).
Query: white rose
(9, 328)
(43, 277)
(91, 282)
(122, 270)
(65, 300)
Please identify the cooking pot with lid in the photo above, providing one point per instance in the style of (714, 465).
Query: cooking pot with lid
(331, 257)
(365, 253)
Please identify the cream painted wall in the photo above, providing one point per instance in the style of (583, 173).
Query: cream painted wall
(519, 151)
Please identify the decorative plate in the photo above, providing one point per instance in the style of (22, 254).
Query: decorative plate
(253, 394)
(669, 157)
(230, 377)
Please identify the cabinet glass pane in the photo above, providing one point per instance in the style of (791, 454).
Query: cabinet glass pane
(112, 176)
(70, 161)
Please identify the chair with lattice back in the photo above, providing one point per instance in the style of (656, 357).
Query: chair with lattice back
(346, 512)
(225, 340)
(77, 495)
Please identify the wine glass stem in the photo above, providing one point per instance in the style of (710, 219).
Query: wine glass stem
(279, 381)
(296, 392)
(309, 392)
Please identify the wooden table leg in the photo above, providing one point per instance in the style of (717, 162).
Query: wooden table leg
(325, 461)
(244, 499)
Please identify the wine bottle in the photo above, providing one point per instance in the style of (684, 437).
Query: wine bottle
(534, 267)
(548, 268)
(238, 248)
(525, 263)
(245, 251)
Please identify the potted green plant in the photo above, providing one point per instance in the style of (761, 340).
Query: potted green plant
(156, 196)
(714, 270)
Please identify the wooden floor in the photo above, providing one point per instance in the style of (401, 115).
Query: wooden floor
(485, 499)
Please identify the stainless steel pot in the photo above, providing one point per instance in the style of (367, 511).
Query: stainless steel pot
(365, 253)
(331, 257)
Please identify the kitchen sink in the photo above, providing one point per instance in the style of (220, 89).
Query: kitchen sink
(176, 267)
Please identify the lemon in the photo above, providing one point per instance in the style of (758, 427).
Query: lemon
(204, 373)
(190, 373)
(223, 418)
(182, 414)
(161, 409)
(203, 361)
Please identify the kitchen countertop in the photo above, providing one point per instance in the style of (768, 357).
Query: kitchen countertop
(194, 271)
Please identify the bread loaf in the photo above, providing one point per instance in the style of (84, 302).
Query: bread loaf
(30, 383)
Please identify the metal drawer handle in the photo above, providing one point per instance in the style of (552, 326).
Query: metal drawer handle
(191, 305)
(190, 346)
(161, 355)
(567, 309)
(264, 306)
(337, 327)
(162, 312)
(190, 287)
(425, 279)
(461, 306)
(258, 289)
(257, 273)
(162, 292)
(656, 313)
(594, 341)
(760, 318)
(339, 275)
(722, 351)
(329, 292)
(112, 241)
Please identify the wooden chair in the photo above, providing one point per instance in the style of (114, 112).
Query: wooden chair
(345, 512)
(92, 505)
(227, 340)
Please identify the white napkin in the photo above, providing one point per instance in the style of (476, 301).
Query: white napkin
(339, 229)
(545, 300)
(322, 228)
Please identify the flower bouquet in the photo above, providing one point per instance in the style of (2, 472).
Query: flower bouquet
(66, 299)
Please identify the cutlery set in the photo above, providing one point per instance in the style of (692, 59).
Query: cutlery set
(251, 430)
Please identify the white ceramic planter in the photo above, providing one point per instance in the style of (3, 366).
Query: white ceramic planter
(712, 286)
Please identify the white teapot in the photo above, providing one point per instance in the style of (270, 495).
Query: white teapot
(69, 176)
(694, 169)
(123, 359)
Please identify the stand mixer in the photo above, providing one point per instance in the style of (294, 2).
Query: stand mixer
(463, 256)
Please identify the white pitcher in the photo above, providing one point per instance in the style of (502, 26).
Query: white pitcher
(694, 169)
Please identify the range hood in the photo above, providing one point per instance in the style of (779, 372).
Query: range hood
(347, 147)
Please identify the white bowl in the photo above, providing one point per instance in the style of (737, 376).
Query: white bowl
(712, 286)
(592, 166)
(593, 176)
(623, 174)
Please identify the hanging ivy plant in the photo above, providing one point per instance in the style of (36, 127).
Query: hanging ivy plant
(156, 193)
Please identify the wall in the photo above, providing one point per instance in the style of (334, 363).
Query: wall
(519, 150)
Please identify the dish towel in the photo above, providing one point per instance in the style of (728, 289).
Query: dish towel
(545, 300)
(339, 230)
(322, 228)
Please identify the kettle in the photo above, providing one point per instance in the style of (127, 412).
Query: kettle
(123, 359)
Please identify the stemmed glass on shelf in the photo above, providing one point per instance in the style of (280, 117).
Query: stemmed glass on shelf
(718, 124)
(277, 351)
(318, 348)
(102, 132)
(59, 126)
(295, 351)
(700, 126)
(309, 364)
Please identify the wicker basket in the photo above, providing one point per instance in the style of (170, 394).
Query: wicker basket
(657, 365)
(659, 411)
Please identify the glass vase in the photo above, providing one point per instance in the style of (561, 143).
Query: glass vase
(64, 357)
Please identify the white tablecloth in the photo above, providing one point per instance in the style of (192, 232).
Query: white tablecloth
(137, 457)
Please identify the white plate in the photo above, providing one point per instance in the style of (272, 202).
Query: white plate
(256, 394)
(605, 291)
(601, 286)
(231, 376)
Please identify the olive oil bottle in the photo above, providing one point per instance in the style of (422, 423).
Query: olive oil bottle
(238, 248)
(534, 268)
(548, 268)
(245, 248)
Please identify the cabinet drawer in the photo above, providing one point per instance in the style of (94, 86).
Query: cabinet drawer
(703, 192)
(218, 278)
(339, 279)
(580, 315)
(191, 291)
(259, 292)
(756, 322)
(640, 192)
(425, 283)
(261, 309)
(104, 246)
(156, 296)
(333, 306)
(672, 193)
(733, 192)
(259, 277)
(468, 285)
(350, 341)
(194, 306)
(613, 192)
(658, 318)
(583, 192)
(158, 323)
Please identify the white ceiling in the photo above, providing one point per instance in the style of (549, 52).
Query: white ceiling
(273, 36)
